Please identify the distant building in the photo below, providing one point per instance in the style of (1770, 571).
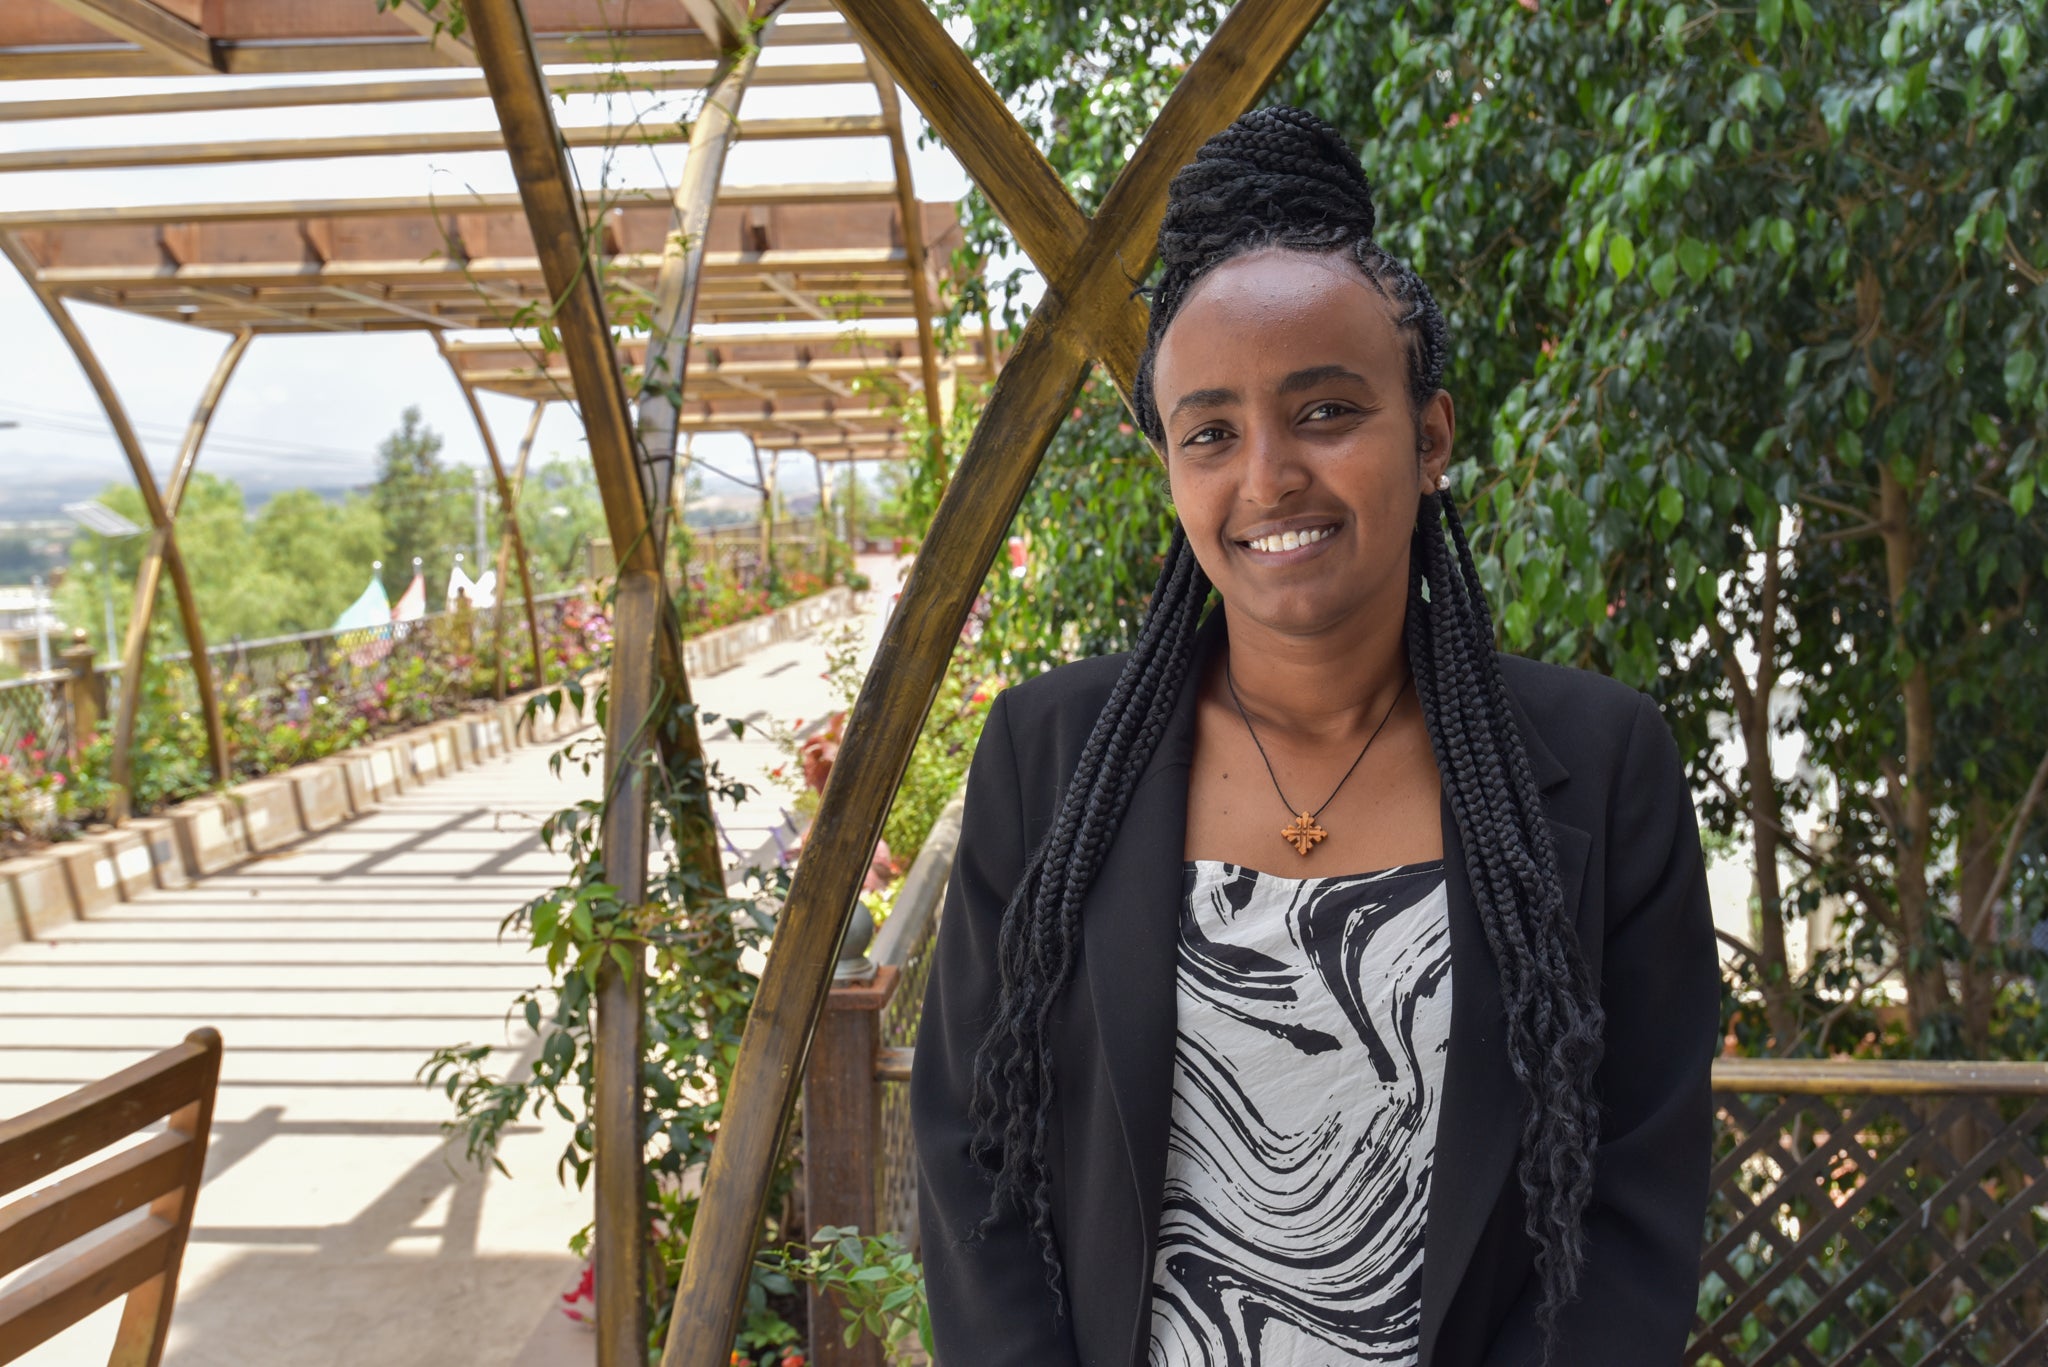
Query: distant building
(23, 608)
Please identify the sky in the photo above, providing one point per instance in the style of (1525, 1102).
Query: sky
(310, 410)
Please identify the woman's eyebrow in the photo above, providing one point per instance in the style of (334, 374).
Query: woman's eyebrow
(1205, 398)
(1320, 374)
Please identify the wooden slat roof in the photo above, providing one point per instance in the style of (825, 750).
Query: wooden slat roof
(41, 39)
(774, 253)
(829, 388)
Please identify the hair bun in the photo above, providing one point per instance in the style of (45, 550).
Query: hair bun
(1279, 170)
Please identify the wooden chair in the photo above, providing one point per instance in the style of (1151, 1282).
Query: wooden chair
(140, 1261)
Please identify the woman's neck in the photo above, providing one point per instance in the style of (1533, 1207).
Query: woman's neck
(1322, 686)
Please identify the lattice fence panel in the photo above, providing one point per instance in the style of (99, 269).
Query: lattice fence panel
(1876, 1231)
(896, 1155)
(33, 716)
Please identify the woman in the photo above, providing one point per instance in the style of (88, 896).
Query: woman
(1315, 986)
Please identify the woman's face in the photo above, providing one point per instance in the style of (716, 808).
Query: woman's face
(1295, 456)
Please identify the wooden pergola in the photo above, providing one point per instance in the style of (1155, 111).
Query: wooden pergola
(452, 265)
(1088, 315)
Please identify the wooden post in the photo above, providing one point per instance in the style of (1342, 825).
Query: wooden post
(149, 575)
(647, 674)
(85, 693)
(508, 505)
(540, 671)
(912, 214)
(160, 516)
(843, 1141)
(1086, 309)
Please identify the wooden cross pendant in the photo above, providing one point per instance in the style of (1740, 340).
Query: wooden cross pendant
(1303, 833)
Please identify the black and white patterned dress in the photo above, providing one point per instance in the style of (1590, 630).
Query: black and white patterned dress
(1314, 1016)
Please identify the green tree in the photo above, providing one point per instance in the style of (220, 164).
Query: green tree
(1748, 310)
(425, 504)
(560, 512)
(321, 550)
(292, 567)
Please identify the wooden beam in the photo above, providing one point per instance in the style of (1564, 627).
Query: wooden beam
(436, 30)
(296, 57)
(160, 519)
(649, 686)
(149, 576)
(436, 143)
(725, 23)
(912, 215)
(1085, 309)
(261, 211)
(880, 268)
(179, 45)
(691, 77)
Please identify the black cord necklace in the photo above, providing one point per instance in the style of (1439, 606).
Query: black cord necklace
(1303, 833)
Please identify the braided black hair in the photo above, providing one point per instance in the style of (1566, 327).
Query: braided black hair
(1284, 178)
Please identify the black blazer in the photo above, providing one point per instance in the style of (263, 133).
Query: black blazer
(1629, 857)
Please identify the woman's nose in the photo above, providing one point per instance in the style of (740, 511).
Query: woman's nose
(1272, 469)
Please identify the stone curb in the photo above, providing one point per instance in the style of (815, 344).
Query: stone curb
(214, 832)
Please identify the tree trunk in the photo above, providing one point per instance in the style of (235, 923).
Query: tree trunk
(1766, 811)
(1977, 865)
(1927, 993)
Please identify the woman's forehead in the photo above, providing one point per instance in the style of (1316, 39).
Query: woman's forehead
(1277, 310)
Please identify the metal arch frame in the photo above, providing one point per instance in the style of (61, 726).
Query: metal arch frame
(162, 553)
(509, 509)
(1088, 313)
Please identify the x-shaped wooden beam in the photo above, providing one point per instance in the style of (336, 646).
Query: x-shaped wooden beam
(1088, 312)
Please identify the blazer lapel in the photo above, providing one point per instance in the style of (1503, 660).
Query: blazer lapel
(1479, 1126)
(1130, 926)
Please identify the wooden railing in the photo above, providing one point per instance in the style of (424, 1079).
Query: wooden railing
(859, 1167)
(1864, 1213)
(1880, 1213)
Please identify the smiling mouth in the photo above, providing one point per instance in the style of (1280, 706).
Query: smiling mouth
(1280, 542)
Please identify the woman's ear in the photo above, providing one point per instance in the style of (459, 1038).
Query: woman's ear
(1436, 432)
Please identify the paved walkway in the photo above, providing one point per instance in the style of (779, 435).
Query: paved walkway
(336, 1225)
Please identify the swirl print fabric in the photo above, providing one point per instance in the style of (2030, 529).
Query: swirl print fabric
(1313, 1018)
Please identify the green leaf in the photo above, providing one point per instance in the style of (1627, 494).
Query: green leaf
(1674, 24)
(1590, 253)
(1743, 345)
(1850, 446)
(1664, 274)
(1621, 254)
(1670, 505)
(1770, 21)
(1781, 236)
(2023, 495)
(1696, 257)
(2012, 50)
(2019, 373)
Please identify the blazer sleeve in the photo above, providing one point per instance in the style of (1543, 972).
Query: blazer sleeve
(990, 1304)
(1660, 986)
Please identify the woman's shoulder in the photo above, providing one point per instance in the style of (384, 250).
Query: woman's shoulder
(1077, 689)
(1546, 688)
(1587, 720)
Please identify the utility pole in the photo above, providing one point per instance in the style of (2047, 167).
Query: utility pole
(478, 473)
(42, 612)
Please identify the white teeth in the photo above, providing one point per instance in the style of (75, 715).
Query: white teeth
(1288, 541)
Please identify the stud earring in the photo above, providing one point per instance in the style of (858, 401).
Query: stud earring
(1443, 482)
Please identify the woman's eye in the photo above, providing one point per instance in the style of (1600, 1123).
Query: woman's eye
(1328, 410)
(1205, 436)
